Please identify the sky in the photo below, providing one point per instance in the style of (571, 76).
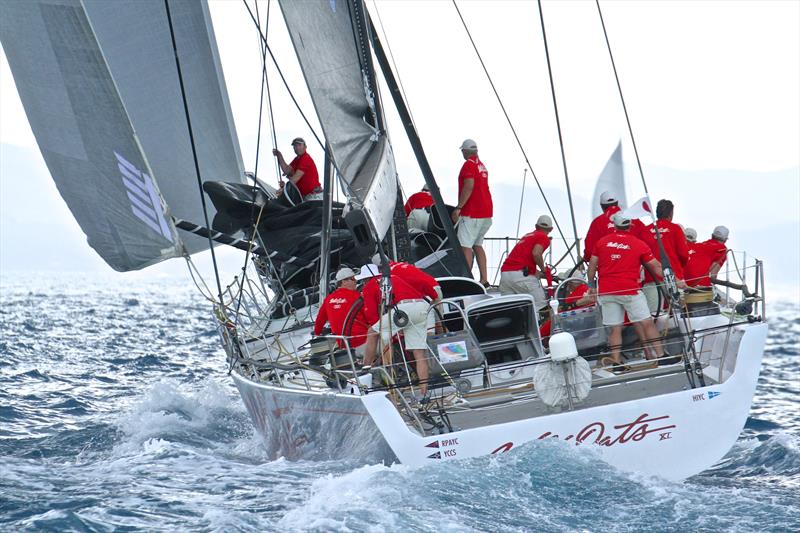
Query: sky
(711, 88)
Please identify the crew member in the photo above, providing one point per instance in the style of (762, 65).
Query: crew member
(302, 171)
(337, 306)
(674, 242)
(602, 225)
(691, 235)
(524, 266)
(413, 291)
(578, 296)
(416, 209)
(474, 209)
(617, 259)
(706, 258)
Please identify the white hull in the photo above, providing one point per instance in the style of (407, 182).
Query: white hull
(673, 435)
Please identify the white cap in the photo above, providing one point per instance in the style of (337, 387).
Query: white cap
(720, 232)
(344, 273)
(620, 220)
(368, 271)
(691, 234)
(608, 197)
(469, 144)
(544, 221)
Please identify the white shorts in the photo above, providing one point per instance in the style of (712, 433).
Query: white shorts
(515, 283)
(650, 291)
(614, 308)
(312, 196)
(472, 230)
(415, 333)
(418, 220)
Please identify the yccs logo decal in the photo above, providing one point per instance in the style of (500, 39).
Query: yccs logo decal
(145, 203)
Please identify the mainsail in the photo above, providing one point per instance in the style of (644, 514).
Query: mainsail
(99, 85)
(611, 179)
(331, 43)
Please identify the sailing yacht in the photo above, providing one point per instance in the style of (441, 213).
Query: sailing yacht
(137, 134)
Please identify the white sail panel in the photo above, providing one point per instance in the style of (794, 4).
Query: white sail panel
(330, 41)
(611, 179)
(84, 133)
(134, 36)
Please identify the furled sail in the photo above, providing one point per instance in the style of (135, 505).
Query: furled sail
(611, 179)
(96, 75)
(84, 133)
(331, 43)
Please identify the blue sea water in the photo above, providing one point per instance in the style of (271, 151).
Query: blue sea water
(116, 413)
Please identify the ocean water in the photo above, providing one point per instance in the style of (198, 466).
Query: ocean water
(116, 413)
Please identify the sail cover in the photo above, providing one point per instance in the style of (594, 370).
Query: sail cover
(84, 133)
(330, 40)
(611, 179)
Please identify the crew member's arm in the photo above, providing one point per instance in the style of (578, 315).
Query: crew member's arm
(322, 318)
(538, 259)
(590, 276)
(285, 168)
(713, 271)
(655, 268)
(466, 192)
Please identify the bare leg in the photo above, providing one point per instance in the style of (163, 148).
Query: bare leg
(651, 339)
(371, 347)
(615, 342)
(468, 256)
(480, 257)
(422, 369)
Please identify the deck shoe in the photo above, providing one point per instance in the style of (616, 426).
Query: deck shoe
(609, 364)
(665, 361)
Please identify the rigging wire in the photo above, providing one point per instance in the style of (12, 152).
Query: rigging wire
(194, 148)
(558, 127)
(511, 125)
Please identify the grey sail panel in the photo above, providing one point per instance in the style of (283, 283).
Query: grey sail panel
(611, 179)
(325, 40)
(84, 133)
(134, 36)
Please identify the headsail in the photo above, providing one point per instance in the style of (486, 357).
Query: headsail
(84, 132)
(611, 179)
(331, 43)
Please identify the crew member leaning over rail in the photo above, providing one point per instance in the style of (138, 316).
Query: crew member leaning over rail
(524, 266)
(413, 291)
(706, 258)
(336, 308)
(416, 208)
(617, 259)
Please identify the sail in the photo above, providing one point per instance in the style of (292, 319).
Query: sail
(330, 40)
(134, 36)
(611, 179)
(84, 132)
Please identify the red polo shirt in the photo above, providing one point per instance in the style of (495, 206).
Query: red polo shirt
(479, 204)
(334, 309)
(701, 256)
(408, 283)
(310, 179)
(674, 242)
(418, 200)
(521, 255)
(620, 256)
(602, 226)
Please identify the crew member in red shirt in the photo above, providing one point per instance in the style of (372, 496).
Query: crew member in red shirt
(416, 212)
(413, 292)
(301, 171)
(524, 266)
(336, 307)
(674, 242)
(691, 236)
(578, 296)
(617, 260)
(706, 258)
(474, 209)
(602, 225)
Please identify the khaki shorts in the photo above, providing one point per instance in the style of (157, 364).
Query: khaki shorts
(614, 308)
(418, 220)
(650, 291)
(515, 283)
(472, 230)
(415, 333)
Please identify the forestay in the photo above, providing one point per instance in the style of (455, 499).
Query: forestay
(330, 40)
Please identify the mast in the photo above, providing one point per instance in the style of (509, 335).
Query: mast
(325, 235)
(416, 145)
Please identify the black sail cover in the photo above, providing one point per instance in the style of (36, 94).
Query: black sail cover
(330, 41)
